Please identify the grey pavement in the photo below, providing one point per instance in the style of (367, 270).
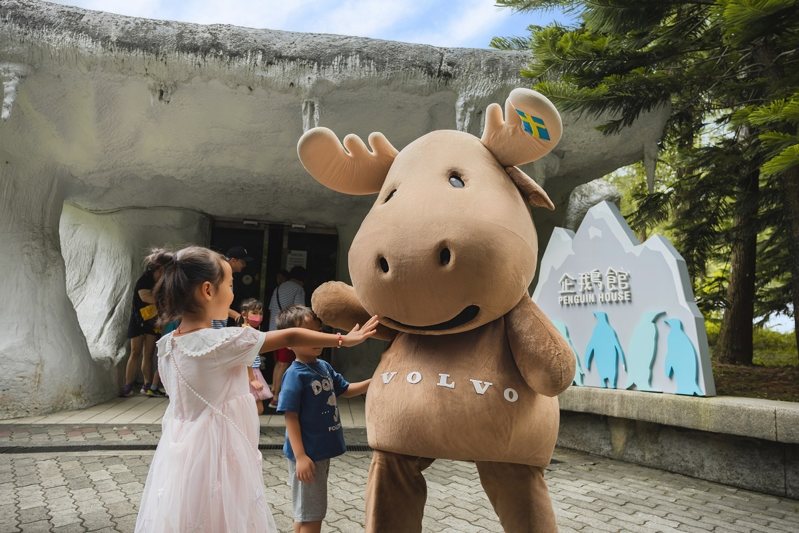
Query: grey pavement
(85, 470)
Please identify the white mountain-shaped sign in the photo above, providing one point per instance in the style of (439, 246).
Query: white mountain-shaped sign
(627, 308)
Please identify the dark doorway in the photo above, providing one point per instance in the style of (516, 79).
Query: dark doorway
(320, 251)
(249, 282)
(274, 247)
(314, 249)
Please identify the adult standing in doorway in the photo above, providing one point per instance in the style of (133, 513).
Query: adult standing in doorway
(288, 293)
(142, 328)
(237, 257)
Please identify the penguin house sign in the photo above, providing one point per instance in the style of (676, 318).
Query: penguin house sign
(626, 308)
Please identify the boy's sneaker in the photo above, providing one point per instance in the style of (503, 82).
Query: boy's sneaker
(144, 388)
(126, 391)
(156, 393)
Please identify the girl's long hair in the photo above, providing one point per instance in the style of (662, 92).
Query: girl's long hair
(183, 272)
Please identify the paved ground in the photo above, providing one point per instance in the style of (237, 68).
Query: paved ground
(89, 477)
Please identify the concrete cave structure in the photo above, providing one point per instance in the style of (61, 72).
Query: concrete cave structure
(118, 134)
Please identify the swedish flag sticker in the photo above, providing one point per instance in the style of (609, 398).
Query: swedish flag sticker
(533, 125)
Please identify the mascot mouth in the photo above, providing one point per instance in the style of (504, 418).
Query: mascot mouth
(465, 316)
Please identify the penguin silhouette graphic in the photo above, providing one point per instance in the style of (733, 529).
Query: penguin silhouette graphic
(681, 361)
(641, 352)
(604, 344)
(579, 373)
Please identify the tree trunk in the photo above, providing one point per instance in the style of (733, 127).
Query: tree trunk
(735, 338)
(790, 190)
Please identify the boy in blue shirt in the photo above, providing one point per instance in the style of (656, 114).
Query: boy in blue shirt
(313, 426)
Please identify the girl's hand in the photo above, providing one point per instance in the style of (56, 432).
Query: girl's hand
(257, 385)
(359, 334)
(305, 469)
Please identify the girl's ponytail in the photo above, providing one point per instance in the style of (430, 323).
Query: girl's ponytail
(182, 272)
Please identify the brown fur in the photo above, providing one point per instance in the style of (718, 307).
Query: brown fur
(474, 365)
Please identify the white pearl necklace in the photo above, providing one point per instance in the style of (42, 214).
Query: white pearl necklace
(206, 402)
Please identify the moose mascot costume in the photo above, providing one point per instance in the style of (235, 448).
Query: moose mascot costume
(445, 257)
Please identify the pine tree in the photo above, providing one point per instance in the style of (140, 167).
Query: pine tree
(716, 63)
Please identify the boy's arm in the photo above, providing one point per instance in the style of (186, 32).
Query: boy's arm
(305, 467)
(356, 389)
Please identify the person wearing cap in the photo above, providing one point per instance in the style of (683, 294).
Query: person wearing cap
(237, 257)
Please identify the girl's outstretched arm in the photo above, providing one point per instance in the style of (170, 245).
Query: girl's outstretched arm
(284, 338)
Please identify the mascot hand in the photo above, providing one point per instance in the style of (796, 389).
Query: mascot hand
(542, 355)
(337, 305)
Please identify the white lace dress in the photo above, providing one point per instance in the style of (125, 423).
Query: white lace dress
(206, 472)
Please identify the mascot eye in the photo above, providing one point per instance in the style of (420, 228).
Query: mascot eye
(390, 196)
(456, 181)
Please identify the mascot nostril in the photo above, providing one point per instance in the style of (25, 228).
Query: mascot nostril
(474, 366)
(444, 257)
(383, 264)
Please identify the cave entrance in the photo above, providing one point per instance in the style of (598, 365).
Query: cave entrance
(273, 247)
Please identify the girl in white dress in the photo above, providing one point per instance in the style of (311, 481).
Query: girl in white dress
(206, 472)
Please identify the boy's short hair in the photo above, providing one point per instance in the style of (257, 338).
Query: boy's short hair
(294, 316)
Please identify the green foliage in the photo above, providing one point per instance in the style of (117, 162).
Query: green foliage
(774, 343)
(729, 72)
(748, 20)
(771, 348)
(781, 141)
(783, 161)
(510, 43)
(713, 327)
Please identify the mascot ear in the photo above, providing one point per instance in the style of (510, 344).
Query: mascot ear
(531, 191)
(351, 168)
(530, 130)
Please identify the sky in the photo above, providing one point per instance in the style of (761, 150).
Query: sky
(449, 23)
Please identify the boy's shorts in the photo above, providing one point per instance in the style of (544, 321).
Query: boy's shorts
(310, 499)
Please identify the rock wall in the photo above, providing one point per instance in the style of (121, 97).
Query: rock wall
(45, 361)
(586, 196)
(103, 254)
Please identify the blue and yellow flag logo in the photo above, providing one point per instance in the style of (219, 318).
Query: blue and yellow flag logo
(534, 125)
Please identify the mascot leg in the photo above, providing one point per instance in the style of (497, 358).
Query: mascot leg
(519, 496)
(395, 493)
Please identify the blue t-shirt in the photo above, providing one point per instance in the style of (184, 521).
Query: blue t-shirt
(311, 390)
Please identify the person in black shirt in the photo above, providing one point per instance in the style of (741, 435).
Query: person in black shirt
(142, 328)
(237, 257)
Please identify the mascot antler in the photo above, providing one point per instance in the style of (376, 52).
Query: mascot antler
(530, 129)
(351, 168)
